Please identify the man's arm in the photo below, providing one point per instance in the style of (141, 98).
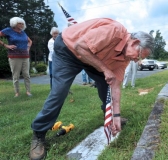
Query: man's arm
(86, 56)
(116, 95)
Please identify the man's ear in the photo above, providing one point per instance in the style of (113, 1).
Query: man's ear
(135, 42)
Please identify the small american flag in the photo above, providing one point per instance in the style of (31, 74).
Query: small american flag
(108, 116)
(67, 15)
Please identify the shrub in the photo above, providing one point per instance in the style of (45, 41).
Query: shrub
(41, 67)
(4, 64)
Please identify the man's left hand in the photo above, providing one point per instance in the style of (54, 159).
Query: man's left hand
(116, 127)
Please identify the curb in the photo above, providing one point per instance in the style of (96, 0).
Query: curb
(150, 137)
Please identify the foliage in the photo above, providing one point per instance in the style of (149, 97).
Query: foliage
(16, 115)
(4, 64)
(39, 20)
(159, 51)
(41, 67)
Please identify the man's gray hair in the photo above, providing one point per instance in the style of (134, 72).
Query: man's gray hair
(54, 29)
(146, 40)
(15, 20)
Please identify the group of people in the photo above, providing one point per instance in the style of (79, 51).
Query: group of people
(103, 47)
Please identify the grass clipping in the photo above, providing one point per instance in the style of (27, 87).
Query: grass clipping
(144, 91)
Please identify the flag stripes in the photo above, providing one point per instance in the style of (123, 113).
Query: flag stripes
(70, 19)
(108, 116)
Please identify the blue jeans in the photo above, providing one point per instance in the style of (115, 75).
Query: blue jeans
(85, 77)
(65, 67)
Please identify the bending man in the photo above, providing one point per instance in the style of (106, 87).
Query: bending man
(102, 47)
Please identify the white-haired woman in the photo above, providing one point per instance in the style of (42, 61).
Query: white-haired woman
(54, 33)
(18, 52)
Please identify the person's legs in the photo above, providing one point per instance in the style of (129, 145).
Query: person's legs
(89, 80)
(63, 76)
(65, 67)
(15, 65)
(26, 75)
(50, 72)
(134, 72)
(126, 75)
(101, 84)
(84, 77)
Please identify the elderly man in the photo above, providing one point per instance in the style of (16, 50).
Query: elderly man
(102, 47)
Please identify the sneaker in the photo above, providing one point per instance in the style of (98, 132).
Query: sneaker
(123, 87)
(84, 83)
(37, 149)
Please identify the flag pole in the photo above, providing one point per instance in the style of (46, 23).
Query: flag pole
(58, 3)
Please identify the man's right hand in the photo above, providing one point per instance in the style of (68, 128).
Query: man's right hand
(109, 77)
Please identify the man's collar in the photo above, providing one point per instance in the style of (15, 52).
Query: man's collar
(120, 46)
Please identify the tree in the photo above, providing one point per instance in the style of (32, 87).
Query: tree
(39, 20)
(159, 51)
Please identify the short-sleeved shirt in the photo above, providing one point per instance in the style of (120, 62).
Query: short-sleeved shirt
(105, 38)
(19, 39)
(51, 48)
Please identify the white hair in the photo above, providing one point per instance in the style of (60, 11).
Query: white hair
(54, 29)
(13, 22)
(146, 40)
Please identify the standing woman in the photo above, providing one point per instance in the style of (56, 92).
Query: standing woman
(18, 52)
(54, 33)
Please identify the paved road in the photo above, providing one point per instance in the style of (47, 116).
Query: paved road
(45, 79)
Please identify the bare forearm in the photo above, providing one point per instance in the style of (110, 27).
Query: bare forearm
(116, 95)
(89, 58)
(86, 56)
(92, 60)
(29, 42)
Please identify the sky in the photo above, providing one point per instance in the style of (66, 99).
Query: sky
(135, 15)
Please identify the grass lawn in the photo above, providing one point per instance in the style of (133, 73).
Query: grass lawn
(83, 110)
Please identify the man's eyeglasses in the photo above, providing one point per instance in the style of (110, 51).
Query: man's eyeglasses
(139, 54)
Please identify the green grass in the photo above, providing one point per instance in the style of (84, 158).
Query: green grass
(162, 152)
(83, 110)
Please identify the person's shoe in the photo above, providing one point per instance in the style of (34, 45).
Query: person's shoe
(123, 87)
(37, 149)
(29, 94)
(16, 95)
(84, 83)
(123, 121)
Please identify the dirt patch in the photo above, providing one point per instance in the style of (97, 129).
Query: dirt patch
(144, 91)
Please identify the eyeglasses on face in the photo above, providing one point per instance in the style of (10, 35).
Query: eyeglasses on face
(21, 23)
(140, 53)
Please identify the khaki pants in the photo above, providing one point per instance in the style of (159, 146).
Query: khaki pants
(17, 66)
